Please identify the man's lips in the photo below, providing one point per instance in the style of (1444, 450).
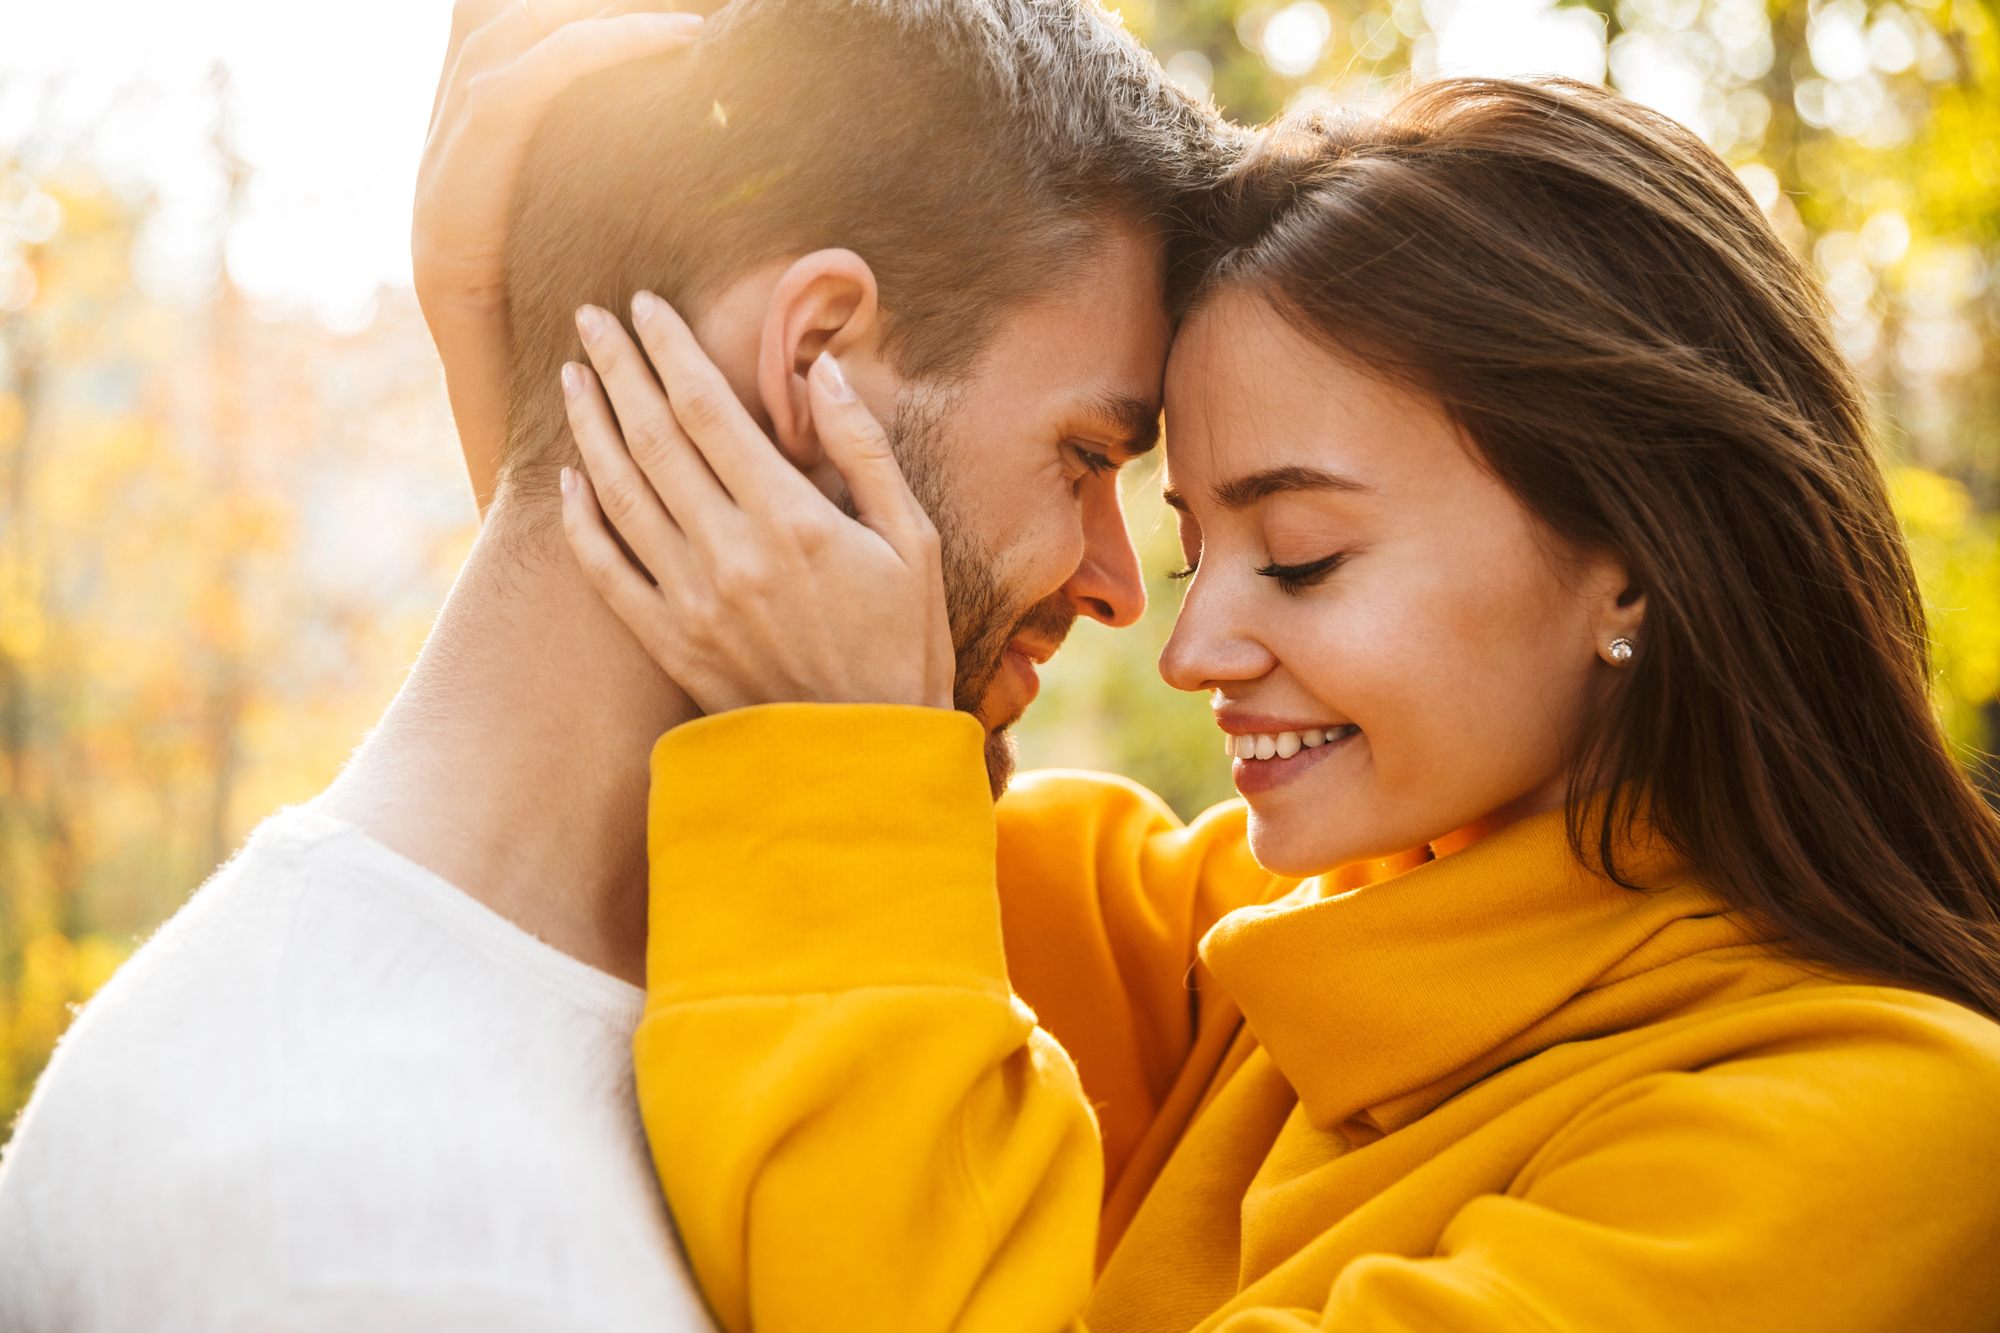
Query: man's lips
(1035, 650)
(1017, 683)
(1021, 664)
(1024, 654)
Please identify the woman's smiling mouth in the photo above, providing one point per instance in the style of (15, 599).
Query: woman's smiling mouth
(1265, 745)
(1266, 759)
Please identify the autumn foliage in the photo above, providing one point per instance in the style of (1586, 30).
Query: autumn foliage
(224, 528)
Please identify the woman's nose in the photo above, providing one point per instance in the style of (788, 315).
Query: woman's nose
(1211, 643)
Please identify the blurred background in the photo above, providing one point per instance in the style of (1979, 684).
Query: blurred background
(230, 497)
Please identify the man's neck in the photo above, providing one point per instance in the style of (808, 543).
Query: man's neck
(513, 762)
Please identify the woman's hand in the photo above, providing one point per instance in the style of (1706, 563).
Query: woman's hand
(507, 60)
(766, 591)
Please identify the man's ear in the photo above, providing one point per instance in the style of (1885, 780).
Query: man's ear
(825, 302)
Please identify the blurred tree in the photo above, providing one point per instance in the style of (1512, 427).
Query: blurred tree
(222, 536)
(223, 529)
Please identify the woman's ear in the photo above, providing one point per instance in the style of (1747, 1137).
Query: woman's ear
(1618, 610)
(826, 301)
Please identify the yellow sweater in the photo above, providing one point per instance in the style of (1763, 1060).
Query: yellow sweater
(1494, 1092)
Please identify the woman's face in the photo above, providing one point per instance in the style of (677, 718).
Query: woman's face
(1362, 576)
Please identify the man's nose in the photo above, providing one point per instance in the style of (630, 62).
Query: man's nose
(1107, 585)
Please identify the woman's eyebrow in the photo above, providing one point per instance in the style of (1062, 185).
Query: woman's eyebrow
(1242, 492)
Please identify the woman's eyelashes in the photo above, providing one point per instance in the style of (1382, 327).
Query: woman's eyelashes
(1292, 579)
(1295, 579)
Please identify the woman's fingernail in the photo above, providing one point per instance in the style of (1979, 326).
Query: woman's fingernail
(832, 378)
(590, 323)
(568, 482)
(686, 22)
(572, 381)
(643, 306)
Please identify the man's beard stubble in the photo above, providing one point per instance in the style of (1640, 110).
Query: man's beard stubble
(984, 620)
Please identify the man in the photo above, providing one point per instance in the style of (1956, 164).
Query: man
(376, 1074)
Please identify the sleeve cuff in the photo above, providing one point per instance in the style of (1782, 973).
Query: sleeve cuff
(800, 848)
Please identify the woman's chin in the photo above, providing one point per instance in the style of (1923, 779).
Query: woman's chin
(1298, 839)
(1297, 848)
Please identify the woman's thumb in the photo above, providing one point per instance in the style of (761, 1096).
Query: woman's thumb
(857, 445)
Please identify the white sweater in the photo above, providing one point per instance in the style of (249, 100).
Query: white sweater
(336, 1093)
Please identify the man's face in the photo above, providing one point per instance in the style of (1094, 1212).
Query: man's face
(1018, 468)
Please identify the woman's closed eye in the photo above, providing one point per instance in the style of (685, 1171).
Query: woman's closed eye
(1295, 579)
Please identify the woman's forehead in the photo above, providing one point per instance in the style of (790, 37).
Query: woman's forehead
(1248, 394)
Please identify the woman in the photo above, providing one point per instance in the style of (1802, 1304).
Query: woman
(1538, 551)
(1536, 541)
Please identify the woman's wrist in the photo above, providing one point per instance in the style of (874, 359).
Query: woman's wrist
(453, 307)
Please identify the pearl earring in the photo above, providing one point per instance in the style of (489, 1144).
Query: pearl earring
(1621, 651)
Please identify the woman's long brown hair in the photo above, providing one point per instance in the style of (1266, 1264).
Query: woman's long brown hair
(1631, 348)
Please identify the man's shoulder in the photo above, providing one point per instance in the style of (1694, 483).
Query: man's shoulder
(176, 1048)
(332, 1064)
(317, 963)
(151, 1085)
(205, 974)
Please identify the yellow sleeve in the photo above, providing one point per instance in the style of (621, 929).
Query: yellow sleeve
(856, 1123)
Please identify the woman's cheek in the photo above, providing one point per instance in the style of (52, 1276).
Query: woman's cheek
(1348, 659)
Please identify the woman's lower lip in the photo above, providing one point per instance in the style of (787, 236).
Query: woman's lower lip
(1260, 775)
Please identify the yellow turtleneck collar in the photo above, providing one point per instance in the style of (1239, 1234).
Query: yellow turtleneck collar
(1379, 1003)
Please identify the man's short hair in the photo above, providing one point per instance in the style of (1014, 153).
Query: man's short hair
(973, 152)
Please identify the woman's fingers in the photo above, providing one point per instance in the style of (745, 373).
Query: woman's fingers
(504, 63)
(515, 63)
(624, 589)
(486, 34)
(772, 600)
(494, 97)
(736, 447)
(858, 447)
(576, 49)
(650, 434)
(467, 17)
(634, 508)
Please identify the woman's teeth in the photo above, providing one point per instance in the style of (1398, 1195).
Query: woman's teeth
(1285, 744)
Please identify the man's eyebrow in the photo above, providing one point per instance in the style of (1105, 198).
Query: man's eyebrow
(1136, 421)
(1245, 491)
